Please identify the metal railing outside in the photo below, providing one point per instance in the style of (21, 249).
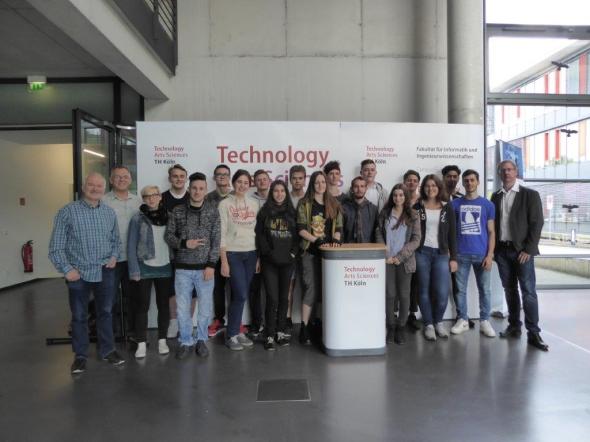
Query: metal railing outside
(157, 22)
(165, 13)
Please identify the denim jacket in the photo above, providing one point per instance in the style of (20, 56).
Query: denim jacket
(140, 243)
(413, 238)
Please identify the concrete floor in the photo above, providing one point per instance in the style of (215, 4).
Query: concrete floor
(466, 388)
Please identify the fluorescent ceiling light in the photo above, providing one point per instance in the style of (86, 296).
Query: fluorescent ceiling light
(91, 152)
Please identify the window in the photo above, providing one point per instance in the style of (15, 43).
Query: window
(538, 96)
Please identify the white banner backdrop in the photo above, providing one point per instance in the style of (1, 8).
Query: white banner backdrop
(276, 146)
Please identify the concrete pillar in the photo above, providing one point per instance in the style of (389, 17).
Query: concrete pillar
(465, 61)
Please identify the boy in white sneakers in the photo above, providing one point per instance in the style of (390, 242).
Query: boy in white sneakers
(476, 240)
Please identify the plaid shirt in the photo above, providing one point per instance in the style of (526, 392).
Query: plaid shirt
(84, 238)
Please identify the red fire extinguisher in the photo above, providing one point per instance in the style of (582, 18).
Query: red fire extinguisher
(27, 256)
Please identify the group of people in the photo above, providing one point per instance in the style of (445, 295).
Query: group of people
(189, 244)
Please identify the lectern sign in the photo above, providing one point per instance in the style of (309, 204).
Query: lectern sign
(357, 276)
(354, 293)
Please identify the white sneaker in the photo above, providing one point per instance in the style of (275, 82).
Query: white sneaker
(172, 329)
(441, 331)
(429, 333)
(460, 326)
(141, 349)
(233, 344)
(163, 347)
(486, 329)
(244, 340)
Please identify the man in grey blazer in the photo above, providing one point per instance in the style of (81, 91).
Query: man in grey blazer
(519, 220)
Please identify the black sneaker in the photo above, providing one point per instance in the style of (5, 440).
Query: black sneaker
(413, 322)
(113, 358)
(183, 351)
(78, 366)
(288, 327)
(304, 336)
(282, 339)
(269, 344)
(201, 349)
(390, 335)
(316, 330)
(399, 335)
(255, 332)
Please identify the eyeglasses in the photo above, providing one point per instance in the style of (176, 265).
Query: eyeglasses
(151, 195)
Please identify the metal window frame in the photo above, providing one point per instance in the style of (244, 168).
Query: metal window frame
(117, 111)
(513, 99)
(79, 115)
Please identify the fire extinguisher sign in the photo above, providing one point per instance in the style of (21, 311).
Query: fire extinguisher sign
(27, 256)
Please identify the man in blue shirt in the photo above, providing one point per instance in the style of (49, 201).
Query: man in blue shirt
(84, 247)
(476, 240)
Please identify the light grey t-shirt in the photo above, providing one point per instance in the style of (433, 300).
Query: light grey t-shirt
(124, 209)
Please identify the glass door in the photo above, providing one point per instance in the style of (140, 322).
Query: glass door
(94, 147)
(126, 152)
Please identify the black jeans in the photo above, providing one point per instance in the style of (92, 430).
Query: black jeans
(164, 288)
(219, 293)
(397, 294)
(513, 274)
(123, 304)
(256, 312)
(414, 294)
(311, 277)
(277, 279)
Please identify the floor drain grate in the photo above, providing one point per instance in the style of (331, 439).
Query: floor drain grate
(278, 390)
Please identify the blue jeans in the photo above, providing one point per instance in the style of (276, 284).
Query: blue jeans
(185, 282)
(79, 295)
(242, 266)
(432, 271)
(483, 279)
(513, 274)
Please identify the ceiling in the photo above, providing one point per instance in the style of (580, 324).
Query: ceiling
(32, 45)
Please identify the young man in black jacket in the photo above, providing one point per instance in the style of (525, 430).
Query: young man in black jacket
(519, 223)
(360, 215)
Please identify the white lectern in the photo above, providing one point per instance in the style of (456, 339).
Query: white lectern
(354, 299)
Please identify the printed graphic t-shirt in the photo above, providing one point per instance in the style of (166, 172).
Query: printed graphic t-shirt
(320, 226)
(472, 220)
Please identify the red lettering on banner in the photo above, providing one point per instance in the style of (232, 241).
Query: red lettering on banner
(253, 152)
(222, 152)
(281, 156)
(313, 157)
(299, 157)
(268, 155)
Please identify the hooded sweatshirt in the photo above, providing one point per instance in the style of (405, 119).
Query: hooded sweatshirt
(277, 240)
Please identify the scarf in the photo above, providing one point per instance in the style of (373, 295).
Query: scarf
(158, 217)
